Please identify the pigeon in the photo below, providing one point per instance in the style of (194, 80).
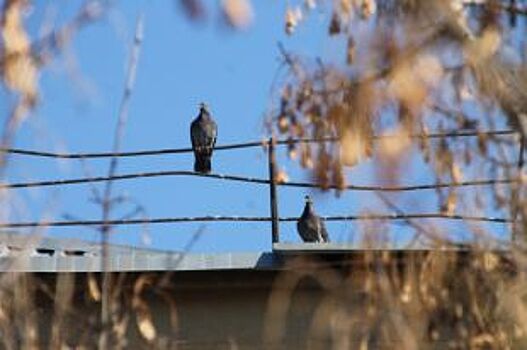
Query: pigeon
(310, 226)
(203, 132)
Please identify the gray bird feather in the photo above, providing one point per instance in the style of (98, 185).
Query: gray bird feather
(310, 226)
(203, 134)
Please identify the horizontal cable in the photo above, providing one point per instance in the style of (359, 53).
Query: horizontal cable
(238, 145)
(249, 219)
(484, 182)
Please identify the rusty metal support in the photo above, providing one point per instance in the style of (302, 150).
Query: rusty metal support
(272, 191)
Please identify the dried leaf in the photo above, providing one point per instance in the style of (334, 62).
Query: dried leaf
(145, 324)
(482, 48)
(306, 161)
(238, 13)
(449, 207)
(20, 72)
(410, 81)
(395, 143)
(322, 168)
(120, 327)
(424, 143)
(406, 293)
(490, 261)
(354, 147)
(281, 176)
(93, 288)
(456, 173)
(368, 8)
(406, 87)
(338, 177)
(296, 128)
(429, 69)
(444, 158)
(346, 7)
(143, 314)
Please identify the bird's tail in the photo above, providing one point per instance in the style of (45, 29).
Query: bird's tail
(202, 164)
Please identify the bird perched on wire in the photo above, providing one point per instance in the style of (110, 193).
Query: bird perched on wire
(310, 226)
(203, 133)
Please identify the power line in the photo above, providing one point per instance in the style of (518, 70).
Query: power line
(484, 182)
(238, 145)
(249, 219)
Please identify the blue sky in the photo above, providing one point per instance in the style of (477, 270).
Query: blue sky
(181, 64)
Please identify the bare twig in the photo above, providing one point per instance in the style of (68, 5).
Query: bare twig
(44, 48)
(420, 229)
(107, 205)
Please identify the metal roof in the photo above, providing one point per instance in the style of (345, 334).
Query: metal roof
(29, 253)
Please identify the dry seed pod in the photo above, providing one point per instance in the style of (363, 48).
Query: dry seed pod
(338, 177)
(351, 148)
(350, 51)
(290, 21)
(423, 141)
(303, 94)
(296, 128)
(322, 168)
(283, 123)
(467, 156)
(482, 144)
(334, 25)
(456, 173)
(306, 161)
(291, 148)
(444, 157)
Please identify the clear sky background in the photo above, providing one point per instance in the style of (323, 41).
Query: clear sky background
(181, 64)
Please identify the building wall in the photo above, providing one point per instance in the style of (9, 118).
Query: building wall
(340, 302)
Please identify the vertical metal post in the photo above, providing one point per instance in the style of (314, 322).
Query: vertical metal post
(272, 187)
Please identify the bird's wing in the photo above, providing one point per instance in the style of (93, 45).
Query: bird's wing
(193, 134)
(323, 231)
(305, 229)
(215, 133)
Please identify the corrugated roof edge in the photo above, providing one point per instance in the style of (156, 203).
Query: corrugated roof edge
(130, 263)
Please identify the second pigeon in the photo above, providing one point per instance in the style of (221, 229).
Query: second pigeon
(310, 226)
